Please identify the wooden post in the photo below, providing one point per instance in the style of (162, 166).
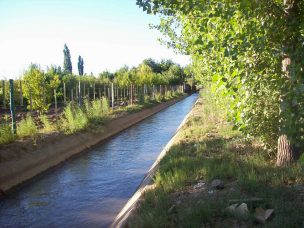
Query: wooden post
(79, 93)
(21, 94)
(31, 100)
(99, 92)
(12, 106)
(64, 94)
(94, 91)
(72, 95)
(131, 94)
(84, 89)
(3, 94)
(112, 94)
(55, 98)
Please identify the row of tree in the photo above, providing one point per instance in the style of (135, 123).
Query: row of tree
(251, 53)
(38, 89)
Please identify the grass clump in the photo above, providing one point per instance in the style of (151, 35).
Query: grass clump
(47, 125)
(6, 135)
(208, 148)
(73, 119)
(27, 127)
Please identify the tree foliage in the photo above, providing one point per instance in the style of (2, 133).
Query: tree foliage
(80, 65)
(36, 88)
(238, 47)
(67, 64)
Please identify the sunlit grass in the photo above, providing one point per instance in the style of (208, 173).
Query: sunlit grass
(209, 149)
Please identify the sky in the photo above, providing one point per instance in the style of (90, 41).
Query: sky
(106, 33)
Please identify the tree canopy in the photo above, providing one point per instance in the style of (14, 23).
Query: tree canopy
(67, 63)
(251, 52)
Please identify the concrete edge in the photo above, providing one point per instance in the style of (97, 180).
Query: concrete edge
(122, 217)
(16, 172)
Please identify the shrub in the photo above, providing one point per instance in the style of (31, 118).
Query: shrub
(73, 119)
(6, 135)
(158, 97)
(105, 105)
(26, 127)
(47, 125)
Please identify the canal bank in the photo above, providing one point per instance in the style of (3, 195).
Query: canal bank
(21, 161)
(90, 189)
(147, 184)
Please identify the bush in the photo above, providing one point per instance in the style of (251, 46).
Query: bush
(73, 119)
(26, 127)
(6, 135)
(158, 97)
(105, 105)
(47, 125)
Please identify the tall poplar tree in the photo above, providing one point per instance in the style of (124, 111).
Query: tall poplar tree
(67, 64)
(80, 65)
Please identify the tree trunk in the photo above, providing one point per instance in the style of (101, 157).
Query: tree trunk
(287, 152)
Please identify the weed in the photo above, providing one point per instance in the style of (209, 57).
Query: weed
(27, 127)
(6, 135)
(47, 125)
(73, 119)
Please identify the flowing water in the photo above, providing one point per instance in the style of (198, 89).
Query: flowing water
(90, 190)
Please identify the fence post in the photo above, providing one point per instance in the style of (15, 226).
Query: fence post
(79, 93)
(64, 94)
(3, 94)
(21, 94)
(112, 94)
(55, 98)
(12, 106)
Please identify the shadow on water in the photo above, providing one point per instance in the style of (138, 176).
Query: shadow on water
(89, 191)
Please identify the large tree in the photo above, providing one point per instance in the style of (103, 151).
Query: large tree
(80, 65)
(252, 52)
(67, 64)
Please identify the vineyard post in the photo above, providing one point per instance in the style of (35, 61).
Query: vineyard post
(3, 94)
(55, 98)
(64, 94)
(112, 94)
(94, 91)
(12, 106)
(99, 92)
(31, 100)
(79, 93)
(21, 94)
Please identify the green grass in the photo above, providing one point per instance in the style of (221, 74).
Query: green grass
(6, 135)
(73, 119)
(48, 126)
(209, 149)
(27, 127)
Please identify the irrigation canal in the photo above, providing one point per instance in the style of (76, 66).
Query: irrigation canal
(90, 190)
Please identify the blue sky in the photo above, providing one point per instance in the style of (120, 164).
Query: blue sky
(106, 33)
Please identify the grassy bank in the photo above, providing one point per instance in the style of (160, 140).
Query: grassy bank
(207, 149)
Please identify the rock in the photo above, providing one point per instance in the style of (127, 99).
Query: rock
(199, 185)
(261, 215)
(242, 212)
(254, 201)
(217, 184)
(231, 209)
(211, 192)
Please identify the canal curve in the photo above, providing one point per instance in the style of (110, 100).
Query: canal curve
(90, 190)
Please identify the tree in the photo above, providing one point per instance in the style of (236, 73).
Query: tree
(67, 64)
(252, 52)
(80, 65)
(36, 88)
